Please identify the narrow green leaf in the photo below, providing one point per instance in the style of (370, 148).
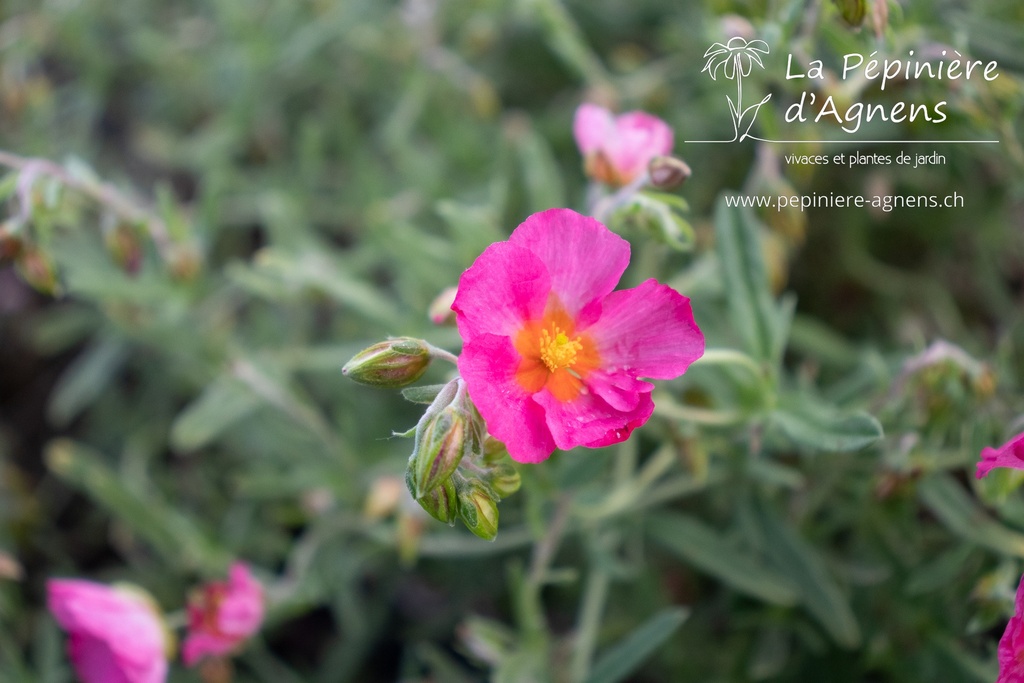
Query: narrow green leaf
(85, 379)
(702, 546)
(222, 403)
(753, 313)
(424, 394)
(541, 175)
(170, 533)
(819, 427)
(948, 501)
(625, 657)
(818, 590)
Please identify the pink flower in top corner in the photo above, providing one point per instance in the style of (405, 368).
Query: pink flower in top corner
(116, 634)
(552, 356)
(616, 150)
(1010, 454)
(1011, 645)
(222, 615)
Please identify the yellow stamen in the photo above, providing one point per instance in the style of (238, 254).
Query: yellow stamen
(557, 350)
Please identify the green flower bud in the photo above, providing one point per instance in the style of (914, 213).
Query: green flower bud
(478, 509)
(441, 503)
(441, 442)
(39, 270)
(503, 479)
(494, 451)
(668, 172)
(392, 363)
(852, 11)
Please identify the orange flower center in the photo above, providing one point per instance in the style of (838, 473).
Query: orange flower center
(556, 350)
(553, 355)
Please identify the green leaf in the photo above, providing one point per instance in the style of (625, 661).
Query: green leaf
(704, 547)
(174, 536)
(542, 176)
(818, 590)
(958, 511)
(748, 293)
(85, 379)
(820, 427)
(425, 394)
(625, 657)
(223, 402)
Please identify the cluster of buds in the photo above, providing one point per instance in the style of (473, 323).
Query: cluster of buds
(456, 471)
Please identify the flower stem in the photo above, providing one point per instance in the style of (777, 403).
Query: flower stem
(441, 354)
(103, 193)
(588, 624)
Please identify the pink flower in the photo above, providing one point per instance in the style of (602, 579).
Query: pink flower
(1011, 645)
(616, 151)
(117, 635)
(222, 614)
(552, 356)
(1010, 454)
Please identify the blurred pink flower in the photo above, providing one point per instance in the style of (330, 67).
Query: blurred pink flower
(1011, 645)
(222, 615)
(616, 150)
(1010, 454)
(116, 635)
(552, 356)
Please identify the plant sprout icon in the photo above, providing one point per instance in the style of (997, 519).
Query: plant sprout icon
(736, 59)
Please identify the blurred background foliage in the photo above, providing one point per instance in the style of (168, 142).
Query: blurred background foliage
(249, 193)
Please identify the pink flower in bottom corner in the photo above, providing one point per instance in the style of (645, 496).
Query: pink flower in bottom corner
(552, 356)
(222, 615)
(616, 150)
(1011, 645)
(116, 634)
(1010, 454)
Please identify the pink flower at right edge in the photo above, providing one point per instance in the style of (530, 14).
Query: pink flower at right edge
(1011, 645)
(116, 635)
(616, 150)
(1010, 454)
(222, 615)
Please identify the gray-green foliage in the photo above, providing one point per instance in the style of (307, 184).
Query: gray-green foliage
(308, 176)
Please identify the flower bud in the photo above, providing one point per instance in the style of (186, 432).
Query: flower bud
(383, 499)
(852, 11)
(392, 363)
(494, 451)
(478, 509)
(440, 311)
(441, 442)
(441, 503)
(39, 271)
(184, 262)
(503, 479)
(125, 248)
(10, 243)
(667, 172)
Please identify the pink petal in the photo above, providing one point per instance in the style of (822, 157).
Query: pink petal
(639, 137)
(647, 331)
(112, 633)
(241, 612)
(199, 645)
(618, 390)
(591, 126)
(584, 259)
(506, 286)
(588, 420)
(1010, 454)
(488, 364)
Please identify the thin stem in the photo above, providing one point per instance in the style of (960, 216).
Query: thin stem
(604, 208)
(441, 354)
(103, 193)
(595, 594)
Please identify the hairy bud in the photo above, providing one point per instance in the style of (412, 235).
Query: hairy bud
(392, 363)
